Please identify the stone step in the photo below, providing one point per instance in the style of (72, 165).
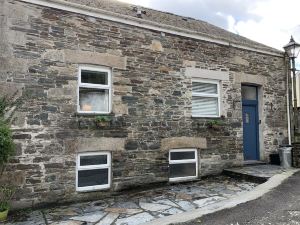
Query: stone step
(245, 176)
(253, 162)
(258, 173)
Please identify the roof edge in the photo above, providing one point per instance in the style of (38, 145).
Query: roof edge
(129, 20)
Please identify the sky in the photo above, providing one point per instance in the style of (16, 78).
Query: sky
(271, 22)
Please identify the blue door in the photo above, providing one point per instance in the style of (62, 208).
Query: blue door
(250, 132)
(250, 124)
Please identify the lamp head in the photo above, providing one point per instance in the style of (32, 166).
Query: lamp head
(292, 48)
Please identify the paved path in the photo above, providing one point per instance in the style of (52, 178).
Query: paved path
(141, 207)
(281, 206)
(169, 204)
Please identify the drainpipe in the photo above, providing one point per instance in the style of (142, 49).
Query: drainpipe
(288, 101)
(295, 109)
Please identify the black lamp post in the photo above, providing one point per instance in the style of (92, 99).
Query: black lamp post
(292, 49)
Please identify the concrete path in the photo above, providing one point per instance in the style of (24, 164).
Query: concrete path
(281, 206)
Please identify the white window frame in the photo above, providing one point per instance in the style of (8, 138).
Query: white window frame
(95, 86)
(182, 162)
(93, 167)
(199, 94)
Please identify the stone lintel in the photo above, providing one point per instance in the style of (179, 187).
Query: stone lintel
(249, 79)
(183, 142)
(206, 74)
(100, 144)
(95, 58)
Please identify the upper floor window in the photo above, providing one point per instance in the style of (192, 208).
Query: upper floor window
(94, 90)
(205, 98)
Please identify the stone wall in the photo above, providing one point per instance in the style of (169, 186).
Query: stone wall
(41, 49)
(296, 155)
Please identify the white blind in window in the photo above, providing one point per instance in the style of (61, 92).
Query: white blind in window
(205, 100)
(207, 88)
(205, 106)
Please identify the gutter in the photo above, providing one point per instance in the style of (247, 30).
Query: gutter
(137, 22)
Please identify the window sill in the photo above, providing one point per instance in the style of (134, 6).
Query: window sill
(206, 117)
(83, 190)
(94, 113)
(182, 179)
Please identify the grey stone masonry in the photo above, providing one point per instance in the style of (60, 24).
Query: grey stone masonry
(296, 154)
(41, 49)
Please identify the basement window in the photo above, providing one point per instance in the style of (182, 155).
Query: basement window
(93, 171)
(205, 98)
(94, 90)
(183, 164)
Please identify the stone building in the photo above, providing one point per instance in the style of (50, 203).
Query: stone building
(183, 98)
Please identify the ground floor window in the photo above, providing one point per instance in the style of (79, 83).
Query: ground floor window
(93, 171)
(183, 164)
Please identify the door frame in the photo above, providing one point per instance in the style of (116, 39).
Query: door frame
(257, 123)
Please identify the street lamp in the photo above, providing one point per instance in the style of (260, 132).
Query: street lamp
(292, 49)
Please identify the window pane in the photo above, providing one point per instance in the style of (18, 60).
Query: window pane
(94, 77)
(205, 88)
(92, 177)
(93, 100)
(249, 93)
(182, 170)
(93, 160)
(182, 155)
(205, 106)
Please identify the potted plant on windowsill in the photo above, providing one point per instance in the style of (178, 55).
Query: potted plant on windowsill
(102, 121)
(215, 124)
(6, 194)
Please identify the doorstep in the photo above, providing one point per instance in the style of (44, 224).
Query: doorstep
(253, 163)
(258, 173)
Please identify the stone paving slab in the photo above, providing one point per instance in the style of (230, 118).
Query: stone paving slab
(144, 206)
